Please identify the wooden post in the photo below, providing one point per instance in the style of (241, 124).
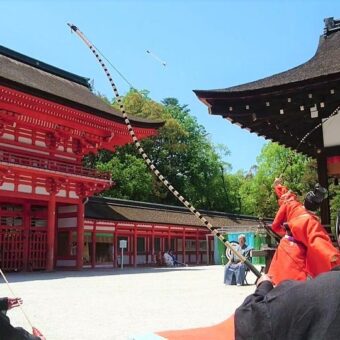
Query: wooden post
(208, 248)
(26, 224)
(183, 246)
(129, 249)
(135, 246)
(153, 255)
(80, 235)
(197, 256)
(115, 245)
(93, 253)
(51, 231)
(323, 180)
(147, 248)
(169, 239)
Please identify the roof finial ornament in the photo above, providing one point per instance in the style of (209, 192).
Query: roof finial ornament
(331, 25)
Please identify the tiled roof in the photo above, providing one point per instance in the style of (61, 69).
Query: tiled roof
(325, 62)
(290, 107)
(132, 211)
(25, 73)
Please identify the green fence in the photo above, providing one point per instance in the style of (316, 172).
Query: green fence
(252, 239)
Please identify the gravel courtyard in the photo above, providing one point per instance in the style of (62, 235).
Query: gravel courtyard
(117, 304)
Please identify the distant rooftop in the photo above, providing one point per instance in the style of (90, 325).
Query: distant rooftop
(133, 211)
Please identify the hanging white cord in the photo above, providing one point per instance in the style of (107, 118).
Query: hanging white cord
(152, 167)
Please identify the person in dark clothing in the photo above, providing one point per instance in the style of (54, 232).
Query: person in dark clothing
(293, 310)
(7, 331)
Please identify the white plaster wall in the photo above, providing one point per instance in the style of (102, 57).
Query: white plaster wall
(7, 186)
(67, 209)
(66, 263)
(25, 188)
(68, 222)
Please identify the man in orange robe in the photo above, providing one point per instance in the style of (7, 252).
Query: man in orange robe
(289, 261)
(308, 249)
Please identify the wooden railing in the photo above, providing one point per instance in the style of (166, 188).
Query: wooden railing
(53, 165)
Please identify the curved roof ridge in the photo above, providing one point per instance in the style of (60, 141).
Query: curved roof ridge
(48, 83)
(325, 62)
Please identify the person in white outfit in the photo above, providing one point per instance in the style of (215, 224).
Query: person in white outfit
(168, 259)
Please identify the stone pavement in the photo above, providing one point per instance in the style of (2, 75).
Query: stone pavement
(113, 304)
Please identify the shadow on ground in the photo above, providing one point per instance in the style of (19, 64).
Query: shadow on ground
(61, 274)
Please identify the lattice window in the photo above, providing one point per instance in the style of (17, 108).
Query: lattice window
(11, 207)
(11, 249)
(38, 250)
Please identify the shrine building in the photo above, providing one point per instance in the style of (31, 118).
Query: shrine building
(50, 120)
(298, 108)
(149, 230)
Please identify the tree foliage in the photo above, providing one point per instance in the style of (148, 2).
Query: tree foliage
(184, 154)
(130, 176)
(181, 151)
(297, 171)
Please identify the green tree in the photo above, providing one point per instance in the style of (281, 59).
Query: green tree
(274, 161)
(334, 196)
(181, 151)
(132, 180)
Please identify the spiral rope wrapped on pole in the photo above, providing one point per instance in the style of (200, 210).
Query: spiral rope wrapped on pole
(152, 167)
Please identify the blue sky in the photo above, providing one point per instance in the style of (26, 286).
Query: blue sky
(206, 45)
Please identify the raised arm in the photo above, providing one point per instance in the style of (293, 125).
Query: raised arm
(280, 218)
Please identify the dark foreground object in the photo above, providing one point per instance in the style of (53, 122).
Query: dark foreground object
(293, 310)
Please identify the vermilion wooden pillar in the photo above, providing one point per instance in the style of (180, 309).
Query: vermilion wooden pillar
(208, 248)
(130, 248)
(26, 224)
(51, 231)
(197, 260)
(80, 235)
(153, 255)
(135, 246)
(183, 246)
(147, 248)
(115, 245)
(169, 239)
(93, 250)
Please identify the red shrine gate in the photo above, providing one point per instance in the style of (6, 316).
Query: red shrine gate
(42, 145)
(49, 120)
